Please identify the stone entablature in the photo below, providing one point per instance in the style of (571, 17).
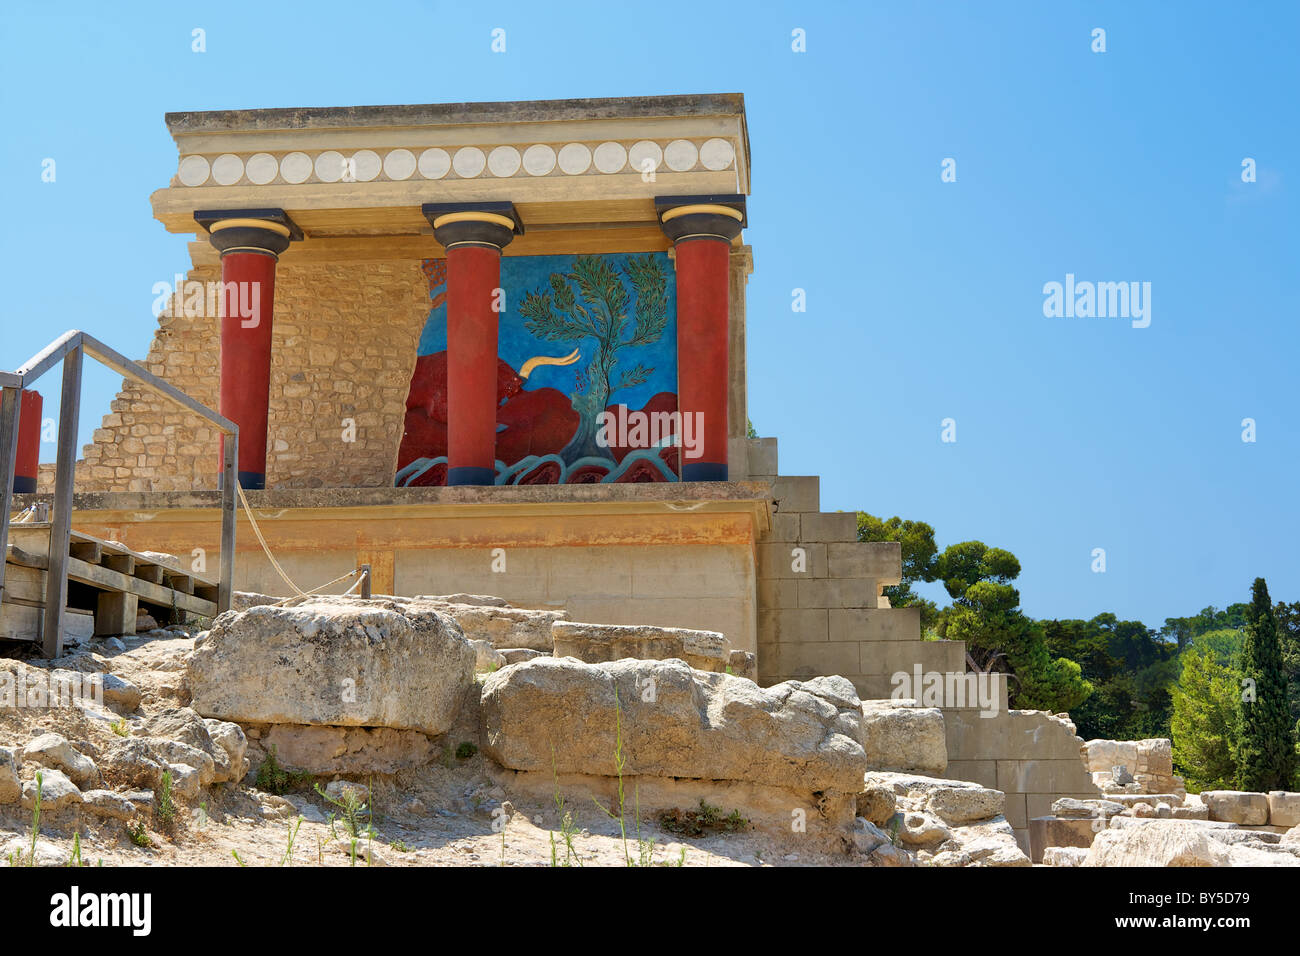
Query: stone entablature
(365, 171)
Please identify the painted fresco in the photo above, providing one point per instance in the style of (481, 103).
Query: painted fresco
(586, 373)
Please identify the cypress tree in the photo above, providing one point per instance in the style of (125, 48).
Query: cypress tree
(1267, 756)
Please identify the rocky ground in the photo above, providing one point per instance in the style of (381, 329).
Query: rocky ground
(447, 814)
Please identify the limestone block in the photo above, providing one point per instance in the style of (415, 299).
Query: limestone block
(1105, 755)
(1156, 844)
(1231, 806)
(597, 643)
(560, 715)
(796, 492)
(1283, 808)
(880, 562)
(363, 664)
(903, 738)
(827, 527)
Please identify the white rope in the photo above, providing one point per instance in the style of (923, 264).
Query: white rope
(299, 593)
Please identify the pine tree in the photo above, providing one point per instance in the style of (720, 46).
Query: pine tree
(1204, 721)
(1267, 754)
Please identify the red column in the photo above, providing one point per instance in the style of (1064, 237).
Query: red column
(473, 238)
(249, 249)
(27, 467)
(702, 235)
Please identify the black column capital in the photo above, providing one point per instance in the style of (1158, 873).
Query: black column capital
(701, 217)
(492, 224)
(264, 231)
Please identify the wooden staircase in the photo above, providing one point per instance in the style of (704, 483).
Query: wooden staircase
(107, 581)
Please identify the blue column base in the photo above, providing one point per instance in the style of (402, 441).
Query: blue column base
(248, 480)
(24, 485)
(704, 471)
(471, 476)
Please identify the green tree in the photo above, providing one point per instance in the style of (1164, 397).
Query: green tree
(592, 302)
(1205, 720)
(1288, 637)
(1267, 753)
(1000, 637)
(919, 551)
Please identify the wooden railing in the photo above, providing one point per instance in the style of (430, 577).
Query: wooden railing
(71, 349)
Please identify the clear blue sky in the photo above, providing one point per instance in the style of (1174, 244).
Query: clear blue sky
(924, 298)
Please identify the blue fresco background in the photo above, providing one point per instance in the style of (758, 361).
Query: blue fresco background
(516, 345)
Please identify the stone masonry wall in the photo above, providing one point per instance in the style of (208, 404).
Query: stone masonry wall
(344, 346)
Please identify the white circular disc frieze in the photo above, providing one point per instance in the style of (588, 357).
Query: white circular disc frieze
(575, 159)
(329, 166)
(194, 171)
(504, 161)
(610, 157)
(399, 164)
(680, 155)
(434, 163)
(716, 154)
(296, 168)
(468, 162)
(645, 156)
(228, 169)
(539, 160)
(366, 165)
(261, 168)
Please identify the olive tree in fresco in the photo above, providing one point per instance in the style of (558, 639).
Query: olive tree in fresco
(593, 301)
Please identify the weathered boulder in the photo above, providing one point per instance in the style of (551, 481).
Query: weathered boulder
(11, 790)
(106, 803)
(486, 657)
(965, 803)
(743, 664)
(867, 837)
(1156, 844)
(877, 803)
(1232, 806)
(121, 693)
(57, 792)
(988, 844)
(353, 664)
(597, 643)
(131, 763)
(514, 655)
(352, 750)
(499, 624)
(230, 739)
(1291, 836)
(19, 849)
(1283, 808)
(175, 753)
(1065, 855)
(897, 736)
(54, 751)
(922, 829)
(562, 715)
(182, 724)
(1073, 809)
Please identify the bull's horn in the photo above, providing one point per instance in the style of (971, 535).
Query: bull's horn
(527, 368)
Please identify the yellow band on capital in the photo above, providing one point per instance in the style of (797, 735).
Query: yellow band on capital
(253, 223)
(676, 211)
(474, 217)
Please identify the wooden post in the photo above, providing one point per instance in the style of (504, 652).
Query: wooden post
(56, 593)
(10, 406)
